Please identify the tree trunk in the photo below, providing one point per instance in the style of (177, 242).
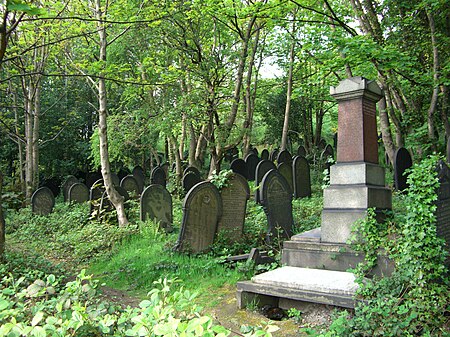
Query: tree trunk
(30, 184)
(284, 135)
(2, 222)
(386, 130)
(115, 198)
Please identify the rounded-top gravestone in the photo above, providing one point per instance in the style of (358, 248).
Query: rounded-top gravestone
(301, 151)
(190, 179)
(78, 193)
(301, 177)
(403, 161)
(284, 157)
(42, 201)
(192, 169)
(252, 161)
(158, 176)
(130, 184)
(265, 155)
(274, 154)
(262, 168)
(115, 179)
(285, 170)
(70, 180)
(92, 177)
(239, 166)
(156, 205)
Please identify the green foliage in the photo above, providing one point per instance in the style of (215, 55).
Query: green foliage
(220, 180)
(414, 299)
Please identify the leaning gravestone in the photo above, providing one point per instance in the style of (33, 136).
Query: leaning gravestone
(284, 157)
(190, 179)
(234, 204)
(158, 176)
(70, 180)
(156, 205)
(402, 162)
(443, 207)
(202, 208)
(301, 177)
(252, 161)
(95, 194)
(285, 170)
(301, 151)
(262, 168)
(265, 155)
(239, 166)
(130, 184)
(42, 201)
(78, 193)
(274, 154)
(276, 199)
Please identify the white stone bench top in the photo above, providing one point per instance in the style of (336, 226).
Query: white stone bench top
(317, 280)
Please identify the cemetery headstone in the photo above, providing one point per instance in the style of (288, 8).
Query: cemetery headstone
(156, 204)
(322, 144)
(276, 199)
(138, 170)
(403, 161)
(254, 150)
(158, 176)
(70, 180)
(335, 140)
(190, 179)
(301, 177)
(202, 208)
(284, 157)
(285, 170)
(115, 179)
(265, 155)
(325, 157)
(231, 154)
(443, 207)
(139, 175)
(42, 201)
(106, 205)
(234, 204)
(166, 167)
(262, 168)
(95, 194)
(274, 154)
(239, 166)
(301, 151)
(252, 161)
(192, 169)
(130, 184)
(78, 193)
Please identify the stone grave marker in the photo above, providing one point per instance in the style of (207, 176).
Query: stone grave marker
(301, 177)
(158, 176)
(106, 205)
(202, 208)
(327, 155)
(95, 194)
(42, 201)
(252, 161)
(130, 184)
(190, 179)
(115, 179)
(254, 150)
(138, 171)
(231, 154)
(123, 172)
(234, 204)
(274, 154)
(322, 144)
(262, 168)
(284, 157)
(239, 166)
(403, 161)
(192, 169)
(265, 155)
(78, 193)
(301, 151)
(156, 204)
(70, 180)
(276, 199)
(443, 207)
(285, 170)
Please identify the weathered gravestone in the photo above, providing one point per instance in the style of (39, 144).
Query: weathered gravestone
(326, 157)
(301, 151)
(284, 157)
(301, 177)
(276, 199)
(262, 168)
(156, 205)
(158, 176)
(285, 170)
(234, 204)
(78, 193)
(192, 169)
(138, 170)
(166, 168)
(106, 204)
(239, 166)
(130, 184)
(202, 208)
(42, 201)
(443, 207)
(254, 150)
(403, 161)
(190, 179)
(265, 155)
(95, 194)
(231, 154)
(252, 161)
(274, 154)
(322, 144)
(139, 175)
(70, 180)
(123, 172)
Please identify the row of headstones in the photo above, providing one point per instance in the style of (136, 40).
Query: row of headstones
(206, 211)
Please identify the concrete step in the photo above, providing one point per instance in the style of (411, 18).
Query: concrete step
(299, 284)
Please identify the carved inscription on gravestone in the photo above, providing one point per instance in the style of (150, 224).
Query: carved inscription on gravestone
(156, 204)
(202, 208)
(42, 201)
(78, 193)
(234, 205)
(276, 198)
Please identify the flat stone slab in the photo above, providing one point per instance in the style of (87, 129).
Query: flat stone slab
(318, 280)
(311, 235)
(300, 284)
